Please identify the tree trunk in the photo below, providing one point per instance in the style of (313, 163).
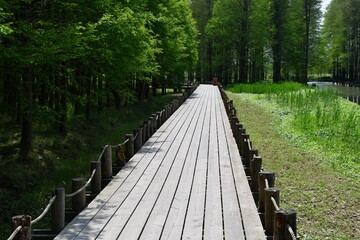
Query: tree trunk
(27, 128)
(63, 103)
(307, 10)
(278, 21)
(89, 97)
(100, 93)
(154, 86)
(117, 99)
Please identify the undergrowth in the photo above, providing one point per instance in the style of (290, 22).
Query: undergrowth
(25, 188)
(266, 88)
(310, 139)
(317, 120)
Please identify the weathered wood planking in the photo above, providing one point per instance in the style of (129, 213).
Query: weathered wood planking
(186, 182)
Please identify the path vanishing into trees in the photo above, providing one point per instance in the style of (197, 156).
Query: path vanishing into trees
(187, 181)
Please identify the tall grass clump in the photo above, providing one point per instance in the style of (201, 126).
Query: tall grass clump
(329, 121)
(317, 120)
(266, 88)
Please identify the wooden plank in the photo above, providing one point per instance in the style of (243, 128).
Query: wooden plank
(233, 228)
(193, 226)
(251, 221)
(131, 217)
(103, 201)
(173, 226)
(156, 221)
(213, 224)
(186, 182)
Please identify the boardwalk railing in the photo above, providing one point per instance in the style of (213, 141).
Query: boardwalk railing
(102, 172)
(279, 224)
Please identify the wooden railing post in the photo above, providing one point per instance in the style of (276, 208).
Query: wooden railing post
(143, 132)
(129, 146)
(234, 120)
(163, 115)
(96, 181)
(155, 120)
(282, 220)
(152, 126)
(170, 107)
(146, 130)
(238, 127)
(244, 147)
(25, 222)
(79, 200)
(270, 176)
(242, 133)
(159, 120)
(58, 211)
(270, 209)
(255, 168)
(106, 163)
(138, 140)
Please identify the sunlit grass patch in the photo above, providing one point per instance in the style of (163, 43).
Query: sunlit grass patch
(266, 88)
(314, 172)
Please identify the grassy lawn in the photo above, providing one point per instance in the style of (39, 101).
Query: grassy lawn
(25, 187)
(312, 172)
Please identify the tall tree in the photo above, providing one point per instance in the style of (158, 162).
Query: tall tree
(342, 36)
(312, 16)
(202, 12)
(229, 31)
(61, 53)
(279, 11)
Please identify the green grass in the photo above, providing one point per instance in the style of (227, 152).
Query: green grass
(25, 188)
(266, 88)
(310, 139)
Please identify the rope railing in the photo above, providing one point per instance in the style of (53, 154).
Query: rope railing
(36, 220)
(137, 134)
(115, 146)
(15, 232)
(266, 183)
(84, 187)
(275, 204)
(100, 176)
(291, 231)
(262, 183)
(52, 200)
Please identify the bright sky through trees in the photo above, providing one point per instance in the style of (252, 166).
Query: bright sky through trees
(324, 5)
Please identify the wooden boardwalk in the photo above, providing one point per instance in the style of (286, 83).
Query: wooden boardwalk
(186, 182)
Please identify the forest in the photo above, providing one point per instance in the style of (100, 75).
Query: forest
(66, 58)
(249, 41)
(62, 60)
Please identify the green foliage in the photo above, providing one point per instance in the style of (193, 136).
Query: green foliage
(251, 40)
(323, 198)
(341, 36)
(266, 88)
(176, 36)
(5, 27)
(316, 119)
(26, 188)
(66, 57)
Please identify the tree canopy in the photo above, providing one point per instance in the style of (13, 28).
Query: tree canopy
(254, 40)
(63, 58)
